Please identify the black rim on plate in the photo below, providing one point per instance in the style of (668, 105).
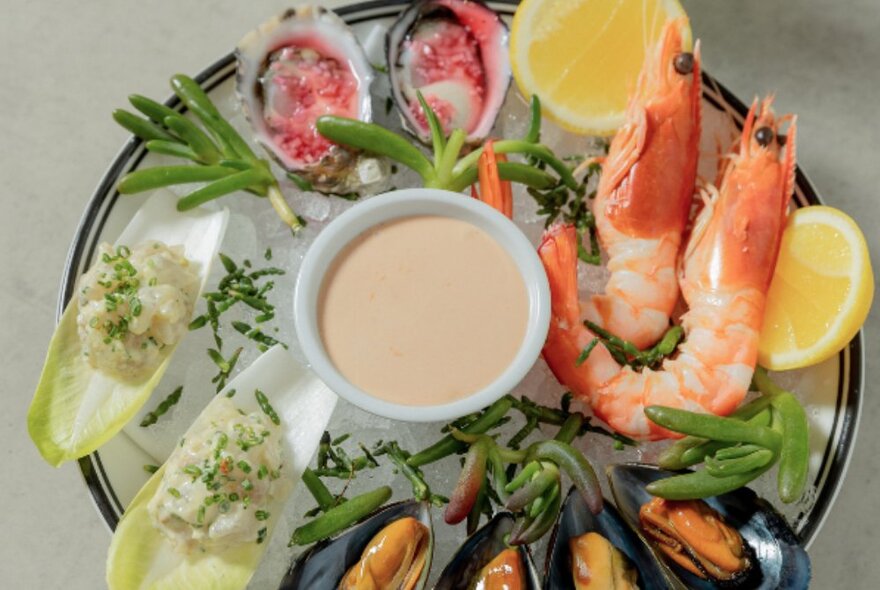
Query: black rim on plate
(850, 373)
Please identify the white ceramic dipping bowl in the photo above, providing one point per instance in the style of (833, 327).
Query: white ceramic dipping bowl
(407, 203)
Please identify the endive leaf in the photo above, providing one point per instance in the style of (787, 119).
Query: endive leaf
(140, 556)
(76, 409)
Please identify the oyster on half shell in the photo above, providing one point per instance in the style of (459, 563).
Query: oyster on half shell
(294, 68)
(455, 53)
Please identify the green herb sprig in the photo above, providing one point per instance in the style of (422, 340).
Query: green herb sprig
(221, 156)
(241, 285)
(737, 449)
(627, 353)
(166, 404)
(445, 169)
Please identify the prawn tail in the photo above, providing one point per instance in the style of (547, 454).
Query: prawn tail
(558, 253)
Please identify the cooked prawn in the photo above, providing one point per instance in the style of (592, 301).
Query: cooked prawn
(725, 274)
(645, 193)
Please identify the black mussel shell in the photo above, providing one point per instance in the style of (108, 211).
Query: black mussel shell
(575, 520)
(478, 550)
(323, 566)
(780, 562)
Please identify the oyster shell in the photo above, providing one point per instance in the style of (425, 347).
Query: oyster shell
(780, 564)
(455, 53)
(575, 520)
(479, 550)
(294, 68)
(327, 563)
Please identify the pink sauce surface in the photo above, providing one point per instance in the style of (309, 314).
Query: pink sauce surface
(422, 310)
(307, 81)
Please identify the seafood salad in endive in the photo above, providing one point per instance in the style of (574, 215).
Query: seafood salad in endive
(218, 484)
(133, 303)
(667, 340)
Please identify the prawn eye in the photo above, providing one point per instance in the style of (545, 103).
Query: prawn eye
(764, 136)
(683, 63)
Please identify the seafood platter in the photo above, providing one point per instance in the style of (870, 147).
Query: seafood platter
(388, 298)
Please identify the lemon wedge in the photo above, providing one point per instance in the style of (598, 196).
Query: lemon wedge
(582, 57)
(821, 290)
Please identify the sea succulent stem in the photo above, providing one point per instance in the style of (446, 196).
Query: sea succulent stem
(570, 428)
(449, 156)
(537, 485)
(527, 530)
(576, 467)
(471, 480)
(318, 490)
(714, 427)
(448, 444)
(279, 203)
(519, 146)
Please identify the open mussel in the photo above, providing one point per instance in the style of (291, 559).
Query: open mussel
(390, 550)
(735, 540)
(485, 560)
(294, 68)
(455, 53)
(578, 559)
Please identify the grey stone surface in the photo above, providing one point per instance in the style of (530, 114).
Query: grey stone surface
(66, 66)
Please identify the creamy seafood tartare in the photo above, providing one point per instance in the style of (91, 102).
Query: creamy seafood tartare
(133, 303)
(218, 484)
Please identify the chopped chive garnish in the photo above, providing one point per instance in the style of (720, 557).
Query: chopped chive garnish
(151, 468)
(174, 492)
(267, 407)
(261, 515)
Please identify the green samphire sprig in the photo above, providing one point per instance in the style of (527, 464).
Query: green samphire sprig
(220, 156)
(737, 449)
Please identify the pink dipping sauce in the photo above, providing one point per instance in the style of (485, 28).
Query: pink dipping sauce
(422, 310)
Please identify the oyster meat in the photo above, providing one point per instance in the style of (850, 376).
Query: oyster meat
(455, 53)
(296, 67)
